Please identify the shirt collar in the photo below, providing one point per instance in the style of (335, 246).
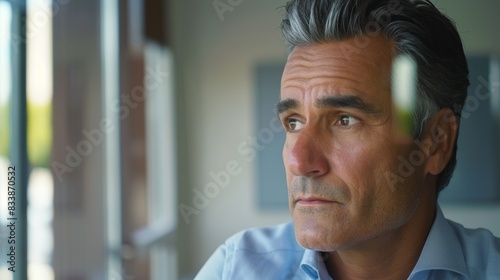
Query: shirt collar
(442, 249)
(313, 264)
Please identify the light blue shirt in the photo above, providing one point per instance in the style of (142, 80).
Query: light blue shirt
(451, 252)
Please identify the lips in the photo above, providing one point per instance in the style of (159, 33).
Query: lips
(313, 201)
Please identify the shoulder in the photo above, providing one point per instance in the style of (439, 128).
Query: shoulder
(481, 250)
(256, 253)
(477, 242)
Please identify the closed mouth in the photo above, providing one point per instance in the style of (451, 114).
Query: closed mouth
(313, 201)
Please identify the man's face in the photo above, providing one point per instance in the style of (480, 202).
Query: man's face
(342, 145)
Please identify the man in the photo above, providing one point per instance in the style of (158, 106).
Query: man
(357, 214)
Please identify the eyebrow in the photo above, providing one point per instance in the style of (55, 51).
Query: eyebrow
(348, 101)
(285, 105)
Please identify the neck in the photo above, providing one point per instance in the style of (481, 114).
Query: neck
(392, 256)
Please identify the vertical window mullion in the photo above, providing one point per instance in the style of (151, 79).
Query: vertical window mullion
(110, 51)
(18, 143)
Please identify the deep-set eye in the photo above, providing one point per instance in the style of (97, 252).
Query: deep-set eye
(293, 125)
(347, 121)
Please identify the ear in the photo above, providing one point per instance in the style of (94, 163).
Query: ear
(441, 134)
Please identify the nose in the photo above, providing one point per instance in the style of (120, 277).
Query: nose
(305, 156)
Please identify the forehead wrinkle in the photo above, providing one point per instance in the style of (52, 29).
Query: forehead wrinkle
(309, 52)
(329, 70)
(318, 62)
(319, 80)
(325, 52)
(313, 84)
(335, 51)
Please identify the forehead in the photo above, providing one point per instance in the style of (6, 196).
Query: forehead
(360, 65)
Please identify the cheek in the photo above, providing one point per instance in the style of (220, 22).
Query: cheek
(362, 167)
(375, 202)
(358, 164)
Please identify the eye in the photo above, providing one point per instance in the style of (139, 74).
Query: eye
(346, 121)
(293, 125)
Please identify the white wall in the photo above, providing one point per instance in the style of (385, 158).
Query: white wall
(216, 60)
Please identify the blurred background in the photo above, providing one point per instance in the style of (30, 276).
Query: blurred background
(143, 135)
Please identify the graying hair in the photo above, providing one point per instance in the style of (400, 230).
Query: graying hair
(416, 27)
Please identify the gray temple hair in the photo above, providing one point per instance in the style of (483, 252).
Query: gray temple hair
(416, 27)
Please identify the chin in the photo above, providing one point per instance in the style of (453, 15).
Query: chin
(316, 245)
(325, 242)
(321, 237)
